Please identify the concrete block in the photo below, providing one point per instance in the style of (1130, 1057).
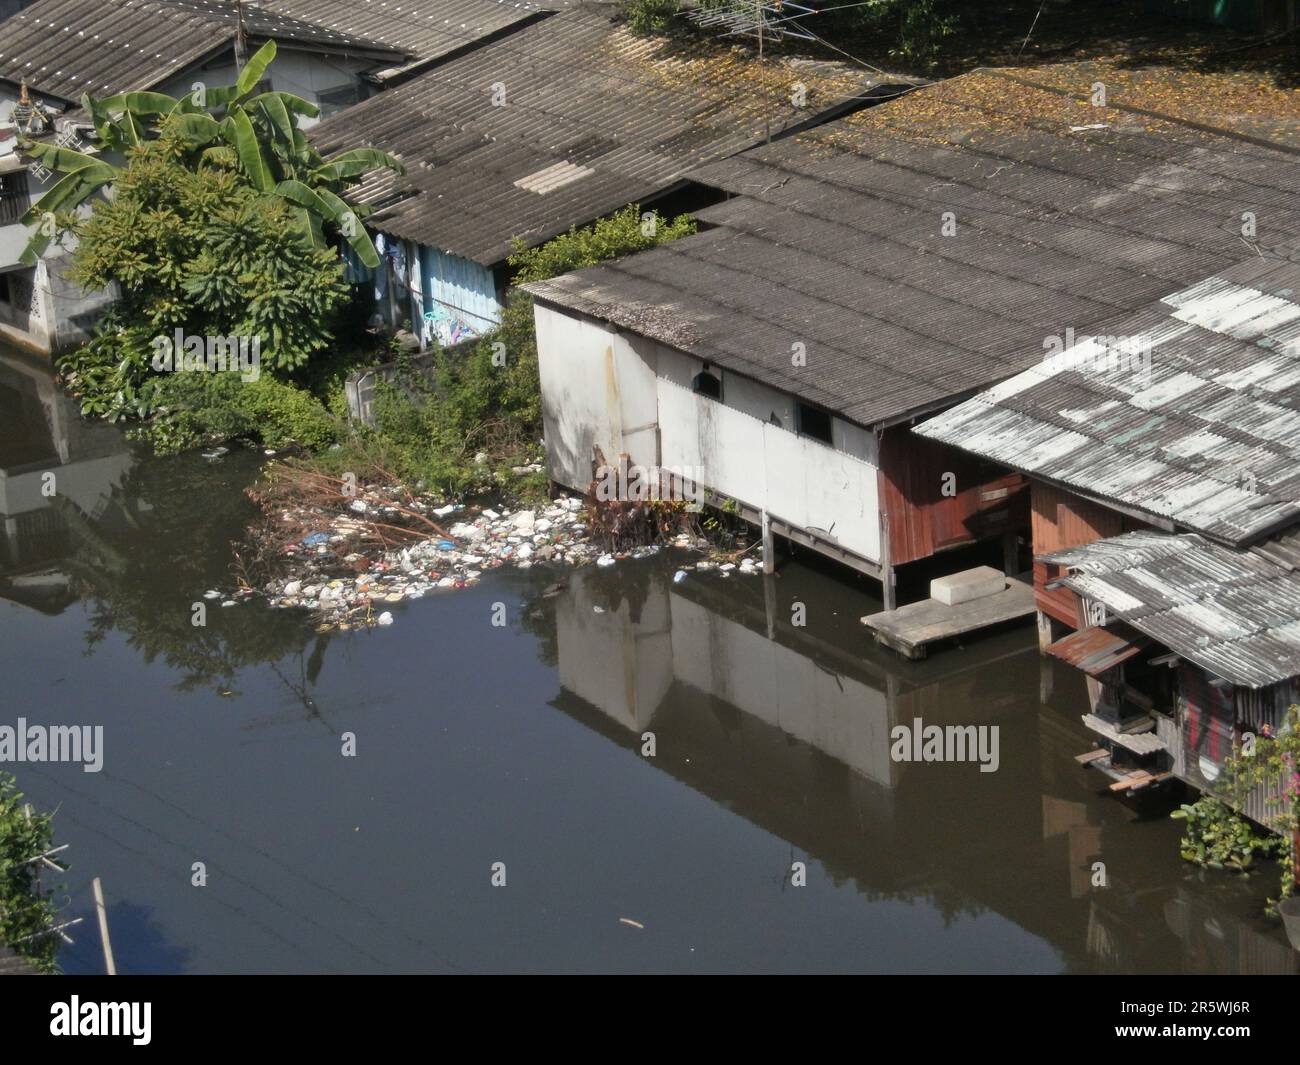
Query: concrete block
(967, 585)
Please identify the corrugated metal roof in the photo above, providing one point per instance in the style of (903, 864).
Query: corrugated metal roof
(624, 116)
(1190, 412)
(835, 241)
(425, 29)
(68, 47)
(1234, 612)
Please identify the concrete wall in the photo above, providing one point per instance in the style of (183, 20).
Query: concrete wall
(623, 393)
(305, 74)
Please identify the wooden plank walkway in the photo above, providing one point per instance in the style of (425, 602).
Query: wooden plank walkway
(1139, 741)
(910, 629)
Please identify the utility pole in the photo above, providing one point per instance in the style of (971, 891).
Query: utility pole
(767, 124)
(241, 36)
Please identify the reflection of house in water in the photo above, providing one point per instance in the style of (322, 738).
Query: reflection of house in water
(790, 731)
(41, 433)
(1165, 502)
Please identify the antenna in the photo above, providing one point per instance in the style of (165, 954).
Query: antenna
(774, 18)
(241, 36)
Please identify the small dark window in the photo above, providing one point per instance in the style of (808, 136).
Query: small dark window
(5, 295)
(815, 422)
(707, 384)
(14, 198)
(332, 101)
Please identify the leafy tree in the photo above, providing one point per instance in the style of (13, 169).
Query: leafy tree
(1269, 764)
(921, 24)
(229, 128)
(918, 27)
(201, 251)
(652, 16)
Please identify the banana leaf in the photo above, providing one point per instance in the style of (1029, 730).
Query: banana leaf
(73, 190)
(249, 149)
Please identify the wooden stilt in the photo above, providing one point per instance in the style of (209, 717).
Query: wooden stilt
(769, 604)
(769, 545)
(109, 965)
(888, 597)
(1046, 632)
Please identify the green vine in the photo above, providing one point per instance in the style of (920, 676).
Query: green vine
(1220, 838)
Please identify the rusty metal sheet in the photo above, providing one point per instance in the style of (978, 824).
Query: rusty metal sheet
(1097, 649)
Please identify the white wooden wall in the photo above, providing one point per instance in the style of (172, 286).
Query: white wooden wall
(628, 394)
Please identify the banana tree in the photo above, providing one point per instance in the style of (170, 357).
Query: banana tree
(231, 126)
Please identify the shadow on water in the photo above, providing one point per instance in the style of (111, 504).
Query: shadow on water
(772, 746)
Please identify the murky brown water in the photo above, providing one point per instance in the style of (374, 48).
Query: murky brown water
(524, 745)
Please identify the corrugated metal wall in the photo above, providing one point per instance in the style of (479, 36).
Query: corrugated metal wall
(922, 520)
(1213, 718)
(460, 297)
(1060, 519)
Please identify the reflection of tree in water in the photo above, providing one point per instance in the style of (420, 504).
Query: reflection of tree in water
(538, 618)
(157, 548)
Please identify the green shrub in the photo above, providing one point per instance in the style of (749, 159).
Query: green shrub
(622, 233)
(1218, 837)
(651, 16)
(199, 408)
(24, 914)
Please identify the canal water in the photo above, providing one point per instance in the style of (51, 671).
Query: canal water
(522, 752)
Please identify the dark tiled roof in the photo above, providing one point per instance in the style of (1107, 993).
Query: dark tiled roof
(1232, 612)
(594, 118)
(1189, 412)
(68, 47)
(835, 241)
